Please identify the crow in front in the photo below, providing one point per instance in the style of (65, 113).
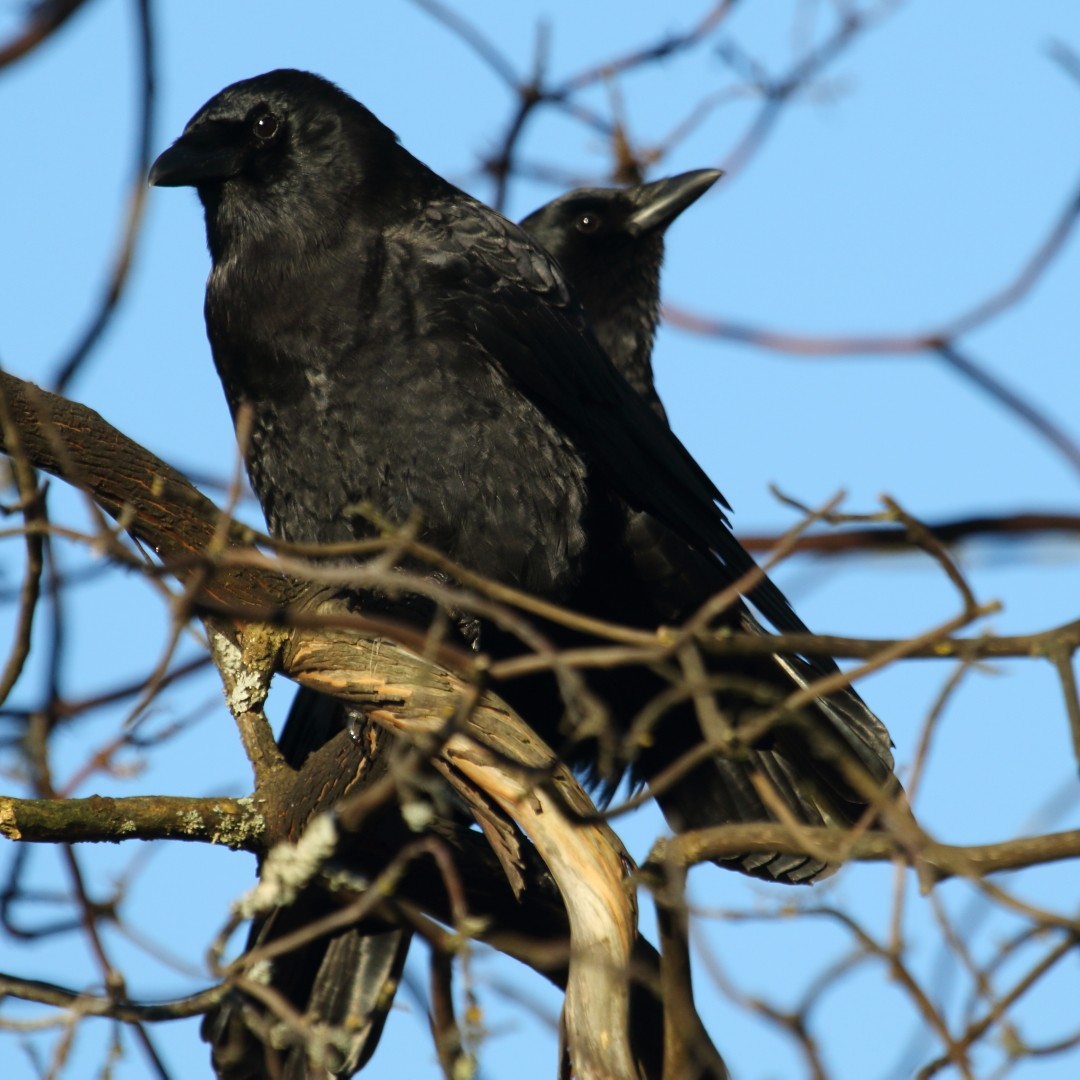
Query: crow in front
(610, 244)
(402, 345)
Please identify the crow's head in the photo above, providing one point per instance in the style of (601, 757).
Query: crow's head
(284, 150)
(592, 226)
(610, 244)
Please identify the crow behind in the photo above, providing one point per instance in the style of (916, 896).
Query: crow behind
(610, 244)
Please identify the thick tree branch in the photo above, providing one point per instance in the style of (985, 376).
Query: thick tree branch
(158, 504)
(943, 860)
(239, 824)
(233, 822)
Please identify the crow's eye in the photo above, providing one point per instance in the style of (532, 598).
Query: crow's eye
(265, 126)
(588, 223)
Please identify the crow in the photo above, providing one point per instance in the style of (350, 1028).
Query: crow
(609, 242)
(402, 345)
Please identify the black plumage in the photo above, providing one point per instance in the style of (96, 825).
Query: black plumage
(401, 344)
(343, 983)
(610, 244)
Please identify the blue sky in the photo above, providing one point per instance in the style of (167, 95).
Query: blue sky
(930, 162)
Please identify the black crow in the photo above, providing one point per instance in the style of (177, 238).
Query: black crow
(609, 242)
(402, 345)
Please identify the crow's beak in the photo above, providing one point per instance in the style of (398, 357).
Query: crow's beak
(192, 161)
(662, 201)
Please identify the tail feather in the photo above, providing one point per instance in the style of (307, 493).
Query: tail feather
(342, 985)
(806, 761)
(809, 775)
(352, 995)
(721, 792)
